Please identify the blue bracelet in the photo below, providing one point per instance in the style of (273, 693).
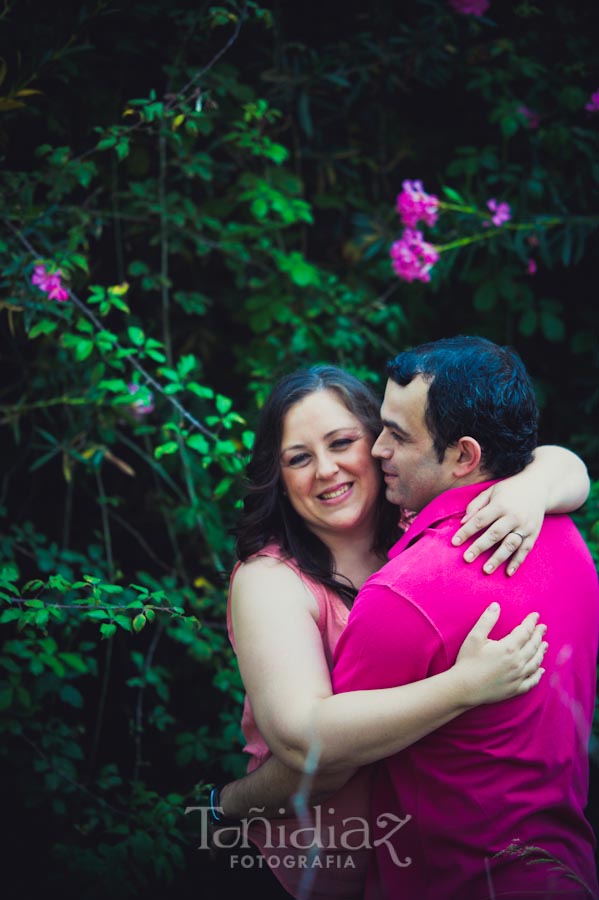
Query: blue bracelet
(215, 811)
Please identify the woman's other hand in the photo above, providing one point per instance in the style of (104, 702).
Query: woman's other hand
(506, 668)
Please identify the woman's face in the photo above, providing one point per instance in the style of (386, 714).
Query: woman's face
(328, 473)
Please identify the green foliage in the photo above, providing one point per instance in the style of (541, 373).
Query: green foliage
(220, 207)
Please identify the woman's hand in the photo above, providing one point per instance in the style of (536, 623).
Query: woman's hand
(512, 513)
(498, 670)
(512, 510)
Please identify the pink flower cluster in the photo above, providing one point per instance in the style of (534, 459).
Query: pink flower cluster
(470, 7)
(50, 283)
(412, 257)
(139, 407)
(501, 212)
(593, 104)
(414, 204)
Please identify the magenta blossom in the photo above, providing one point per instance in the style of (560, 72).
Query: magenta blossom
(412, 258)
(141, 407)
(501, 212)
(50, 283)
(531, 268)
(531, 118)
(470, 7)
(593, 104)
(414, 204)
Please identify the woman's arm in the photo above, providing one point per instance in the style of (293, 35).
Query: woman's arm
(512, 511)
(270, 790)
(284, 670)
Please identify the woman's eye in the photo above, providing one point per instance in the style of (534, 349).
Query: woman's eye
(341, 443)
(299, 459)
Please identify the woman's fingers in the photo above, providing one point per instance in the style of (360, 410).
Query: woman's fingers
(486, 623)
(526, 632)
(510, 540)
(533, 680)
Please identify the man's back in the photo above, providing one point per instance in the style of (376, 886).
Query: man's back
(504, 786)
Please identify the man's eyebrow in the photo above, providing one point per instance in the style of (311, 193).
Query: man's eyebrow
(389, 423)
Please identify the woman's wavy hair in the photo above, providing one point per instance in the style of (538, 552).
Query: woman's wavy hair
(267, 514)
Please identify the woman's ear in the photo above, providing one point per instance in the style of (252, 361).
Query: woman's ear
(467, 458)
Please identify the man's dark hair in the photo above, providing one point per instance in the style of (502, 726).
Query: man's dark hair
(479, 389)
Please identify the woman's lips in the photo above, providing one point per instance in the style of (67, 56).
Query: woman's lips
(335, 493)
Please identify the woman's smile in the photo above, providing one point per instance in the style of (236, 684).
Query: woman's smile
(336, 493)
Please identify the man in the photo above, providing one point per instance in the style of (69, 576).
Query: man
(493, 802)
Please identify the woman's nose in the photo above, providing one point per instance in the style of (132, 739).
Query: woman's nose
(326, 465)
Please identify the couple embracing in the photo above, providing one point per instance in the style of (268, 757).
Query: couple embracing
(361, 612)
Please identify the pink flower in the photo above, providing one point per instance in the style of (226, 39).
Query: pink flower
(412, 258)
(139, 407)
(58, 292)
(593, 104)
(414, 204)
(470, 7)
(531, 118)
(531, 268)
(50, 283)
(501, 212)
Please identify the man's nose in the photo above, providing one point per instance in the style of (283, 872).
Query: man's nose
(381, 448)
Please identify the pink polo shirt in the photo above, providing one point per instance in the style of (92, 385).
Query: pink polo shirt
(471, 811)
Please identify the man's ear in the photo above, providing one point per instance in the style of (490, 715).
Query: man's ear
(467, 456)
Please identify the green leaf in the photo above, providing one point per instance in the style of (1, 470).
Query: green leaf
(9, 615)
(552, 327)
(165, 449)
(223, 404)
(198, 443)
(453, 195)
(44, 326)
(75, 661)
(139, 622)
(528, 322)
(108, 630)
(222, 487)
(71, 695)
(83, 349)
(136, 335)
(200, 390)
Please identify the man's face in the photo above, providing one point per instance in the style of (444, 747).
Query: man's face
(413, 474)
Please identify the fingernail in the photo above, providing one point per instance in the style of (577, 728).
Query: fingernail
(511, 570)
(456, 541)
(469, 556)
(488, 567)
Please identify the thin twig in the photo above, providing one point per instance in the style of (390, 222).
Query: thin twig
(139, 706)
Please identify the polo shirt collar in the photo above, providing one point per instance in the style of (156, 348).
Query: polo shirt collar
(447, 504)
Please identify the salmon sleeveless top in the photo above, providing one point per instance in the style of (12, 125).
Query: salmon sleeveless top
(324, 852)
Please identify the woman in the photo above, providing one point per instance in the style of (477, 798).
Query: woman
(315, 526)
